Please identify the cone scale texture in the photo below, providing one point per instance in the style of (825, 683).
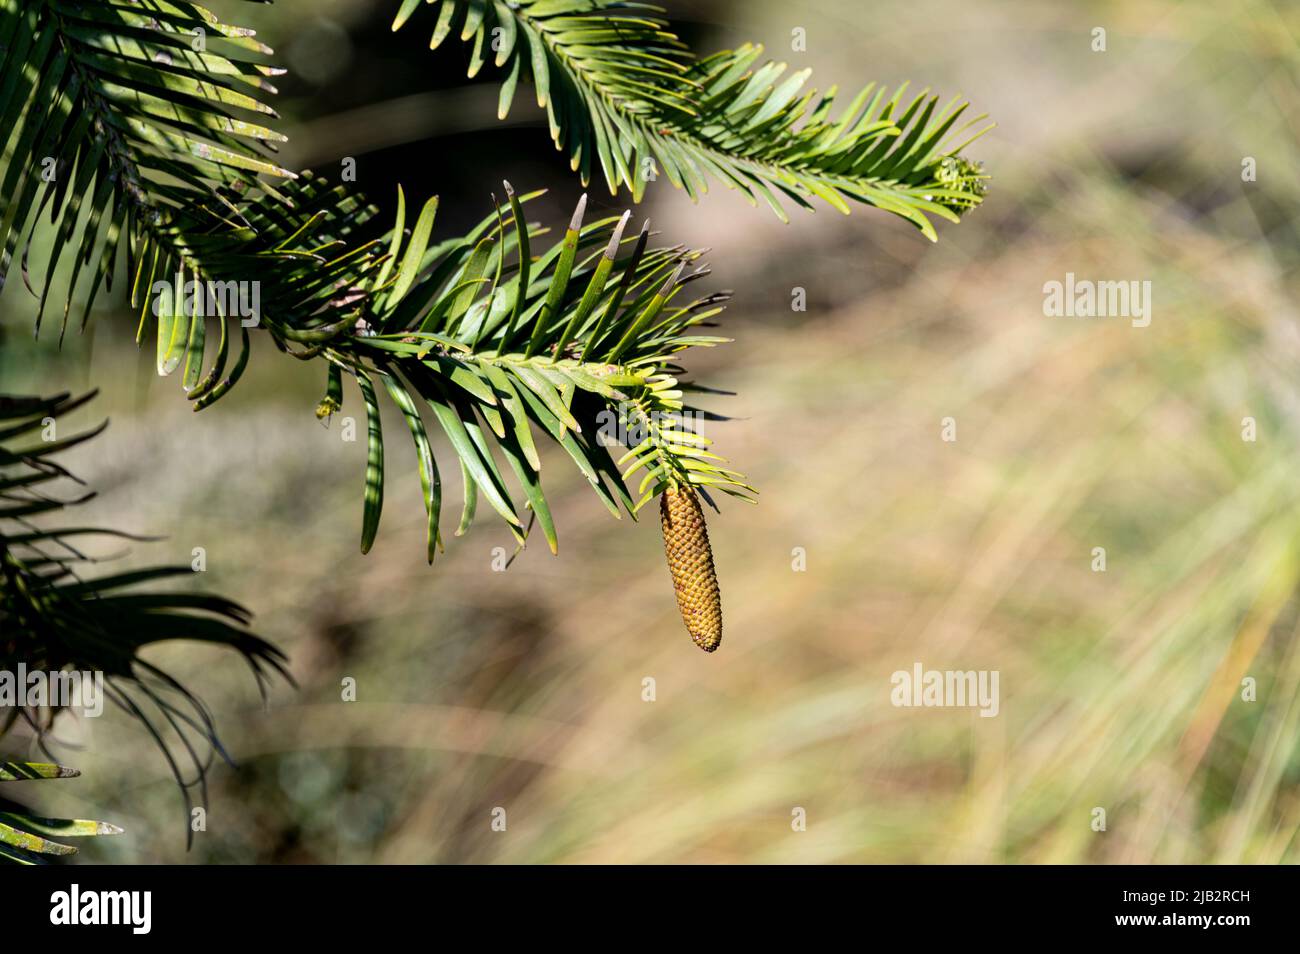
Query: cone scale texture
(690, 561)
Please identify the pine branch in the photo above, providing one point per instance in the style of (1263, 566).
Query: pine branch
(157, 149)
(52, 618)
(118, 118)
(292, 267)
(500, 344)
(27, 839)
(150, 129)
(623, 92)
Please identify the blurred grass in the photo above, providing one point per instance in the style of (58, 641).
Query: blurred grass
(522, 689)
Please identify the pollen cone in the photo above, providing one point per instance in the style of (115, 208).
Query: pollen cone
(690, 560)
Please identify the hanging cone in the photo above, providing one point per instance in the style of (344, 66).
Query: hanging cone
(690, 560)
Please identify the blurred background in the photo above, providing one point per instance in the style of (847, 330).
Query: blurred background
(523, 690)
